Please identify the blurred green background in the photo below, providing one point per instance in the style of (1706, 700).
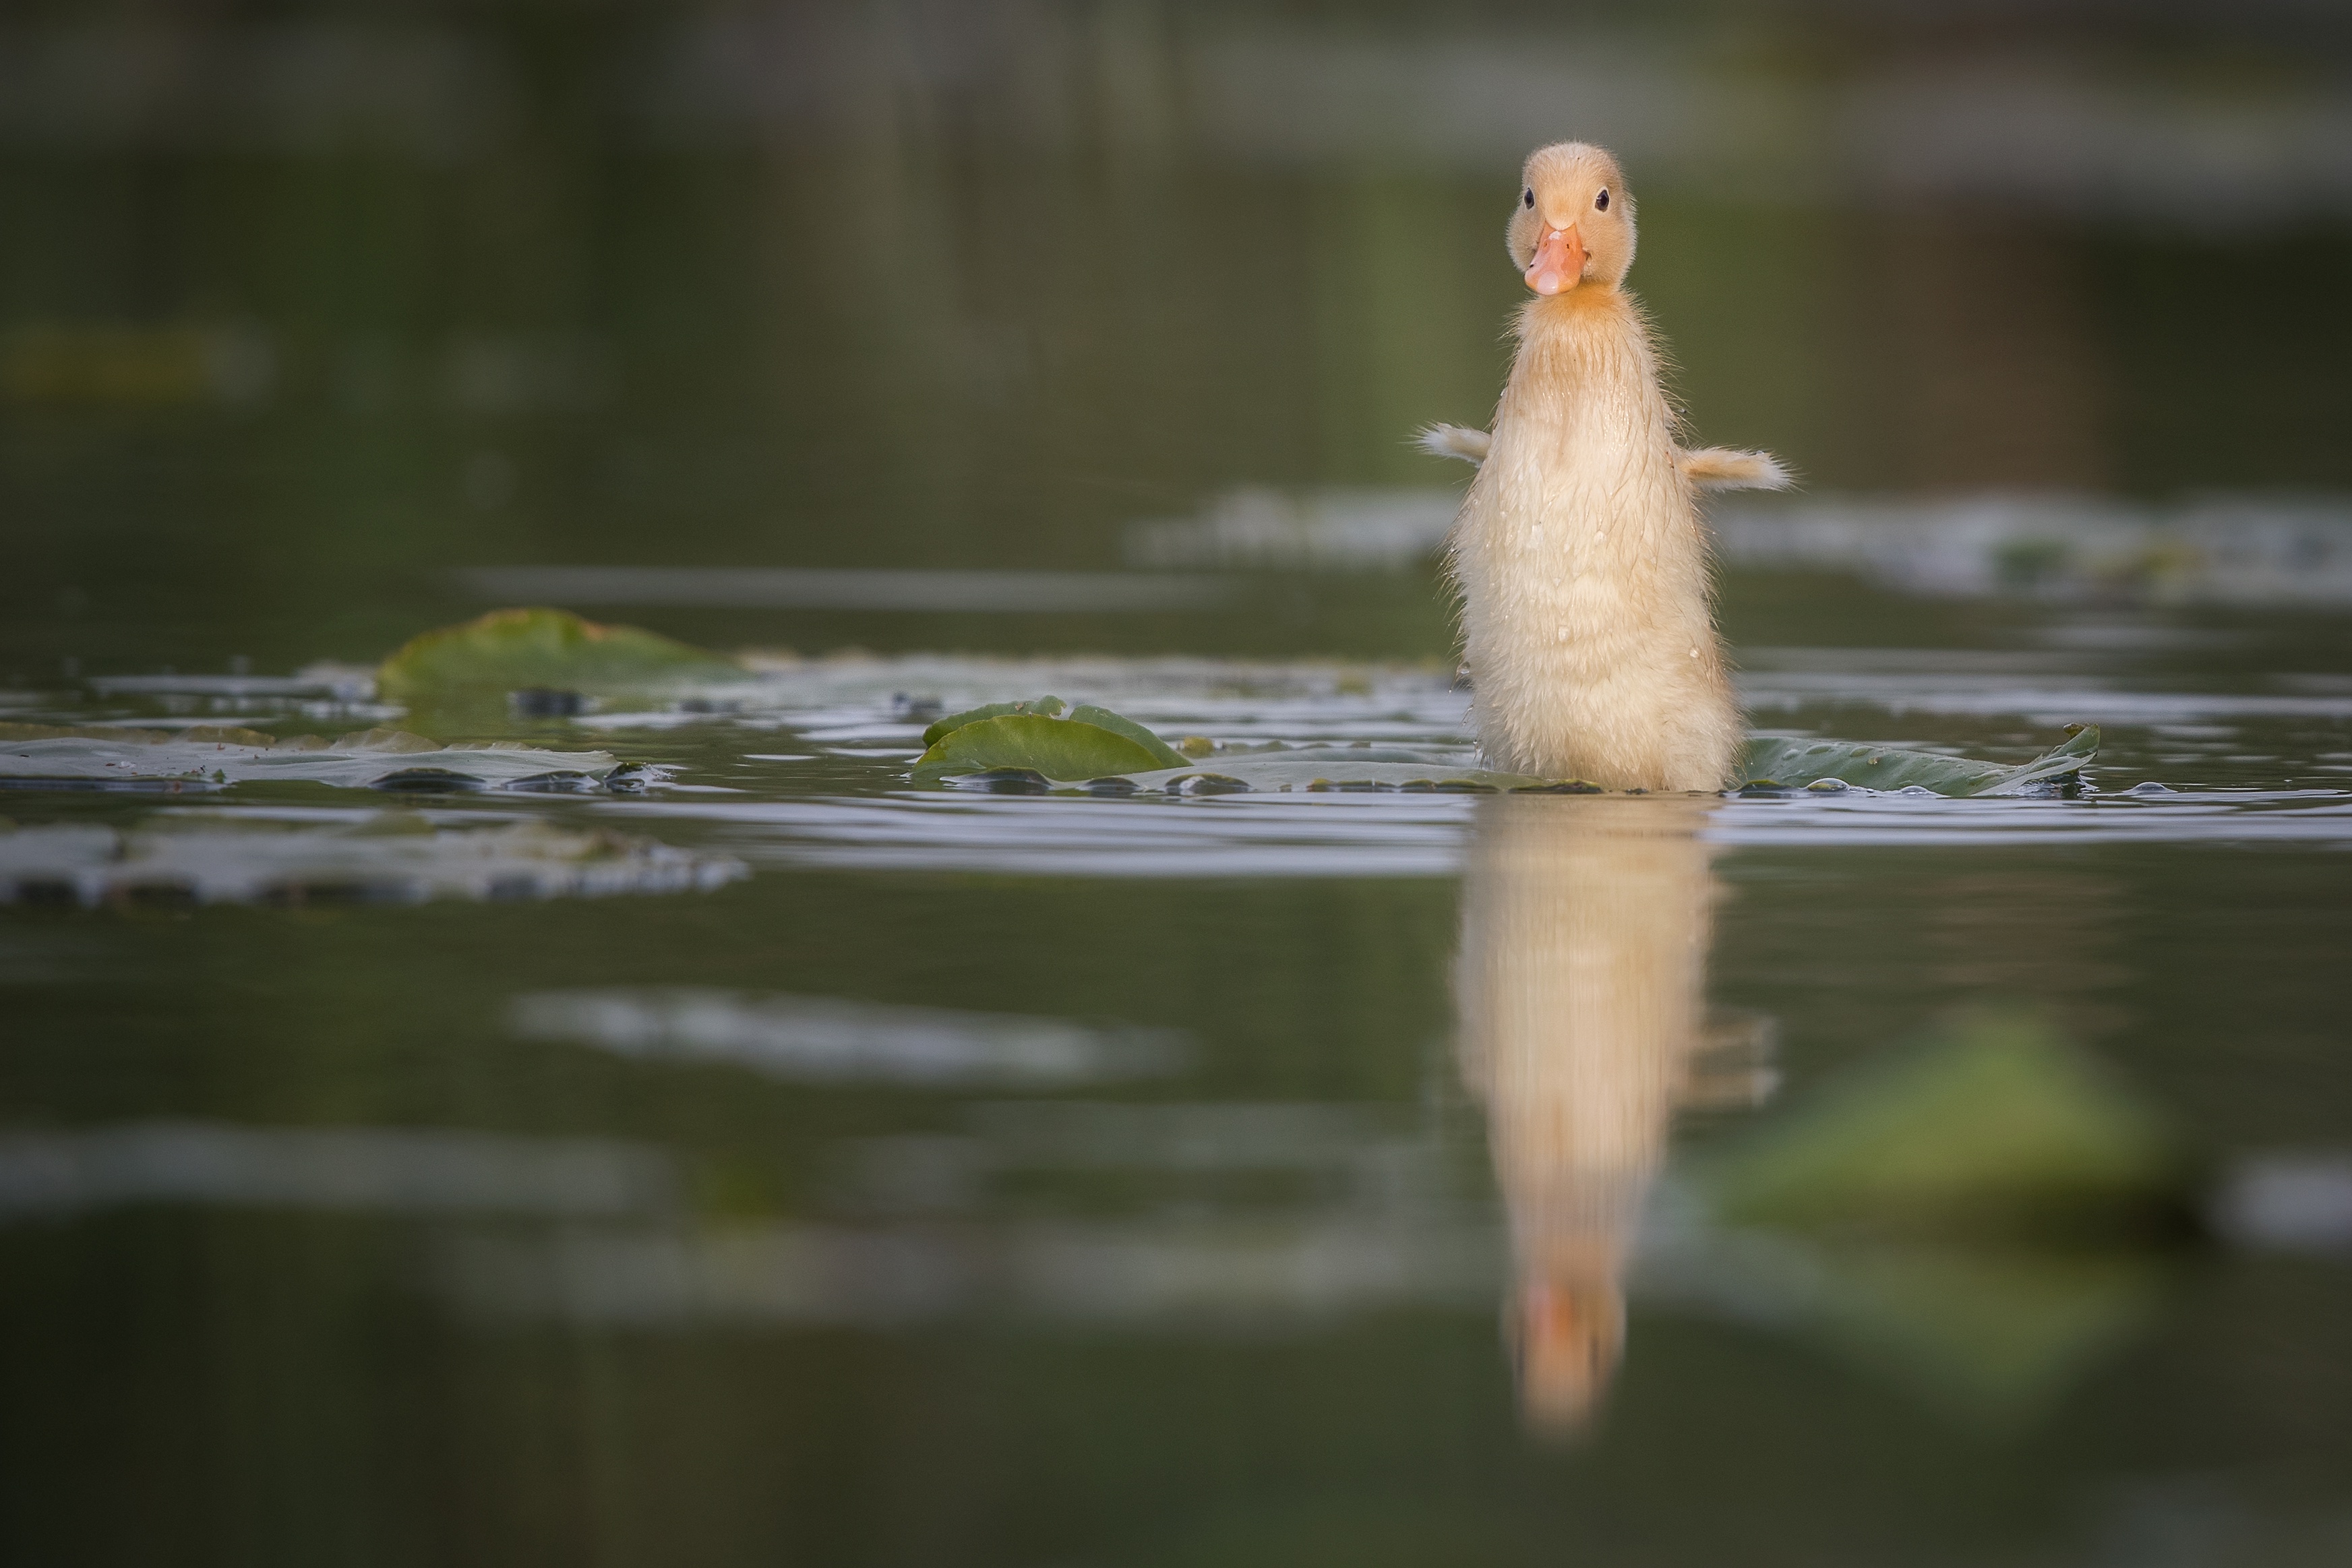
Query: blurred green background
(303, 305)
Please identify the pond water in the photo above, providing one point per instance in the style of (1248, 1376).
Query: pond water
(705, 1145)
(910, 1174)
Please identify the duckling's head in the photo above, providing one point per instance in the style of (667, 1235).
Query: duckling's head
(1574, 223)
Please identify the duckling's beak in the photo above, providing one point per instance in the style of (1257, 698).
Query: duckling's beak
(1559, 263)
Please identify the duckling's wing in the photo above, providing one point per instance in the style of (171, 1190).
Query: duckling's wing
(1454, 441)
(1721, 468)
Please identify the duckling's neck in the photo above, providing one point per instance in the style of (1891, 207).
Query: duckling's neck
(1589, 340)
(1571, 307)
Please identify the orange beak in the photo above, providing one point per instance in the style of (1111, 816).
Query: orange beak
(1559, 263)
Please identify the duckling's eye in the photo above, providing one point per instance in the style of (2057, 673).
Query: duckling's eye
(1527, 197)
(1601, 200)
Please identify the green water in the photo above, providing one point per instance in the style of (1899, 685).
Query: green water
(1175, 1224)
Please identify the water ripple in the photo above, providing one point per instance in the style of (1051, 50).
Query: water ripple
(1375, 834)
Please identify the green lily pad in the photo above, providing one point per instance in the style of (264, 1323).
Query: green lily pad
(1997, 1132)
(1119, 724)
(1789, 763)
(1065, 750)
(509, 650)
(1051, 707)
(1163, 754)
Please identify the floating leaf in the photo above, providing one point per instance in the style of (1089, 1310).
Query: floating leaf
(1163, 754)
(509, 650)
(1119, 724)
(1791, 764)
(1066, 750)
(1998, 1130)
(942, 728)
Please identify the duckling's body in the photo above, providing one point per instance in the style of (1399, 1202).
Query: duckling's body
(1587, 603)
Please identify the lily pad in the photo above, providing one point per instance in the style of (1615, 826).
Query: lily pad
(1791, 764)
(1998, 1131)
(1051, 707)
(40, 756)
(1066, 750)
(1163, 754)
(1119, 725)
(540, 649)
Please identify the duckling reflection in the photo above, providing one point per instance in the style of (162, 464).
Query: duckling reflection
(1581, 983)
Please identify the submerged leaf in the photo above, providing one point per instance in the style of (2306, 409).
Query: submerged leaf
(1988, 1336)
(1793, 764)
(1066, 750)
(509, 650)
(1999, 1130)
(379, 738)
(1319, 768)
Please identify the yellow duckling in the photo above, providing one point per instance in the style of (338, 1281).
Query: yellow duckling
(1587, 602)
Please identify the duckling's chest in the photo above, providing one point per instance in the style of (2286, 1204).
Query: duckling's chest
(1582, 461)
(1579, 496)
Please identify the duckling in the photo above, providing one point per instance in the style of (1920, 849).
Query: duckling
(1587, 603)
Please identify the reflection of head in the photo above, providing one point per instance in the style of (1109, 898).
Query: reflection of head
(1584, 934)
(1567, 1340)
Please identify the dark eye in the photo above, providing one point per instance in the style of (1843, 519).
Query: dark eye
(1601, 200)
(1527, 197)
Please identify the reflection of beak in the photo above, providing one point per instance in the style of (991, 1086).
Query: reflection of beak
(1559, 263)
(1568, 1342)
